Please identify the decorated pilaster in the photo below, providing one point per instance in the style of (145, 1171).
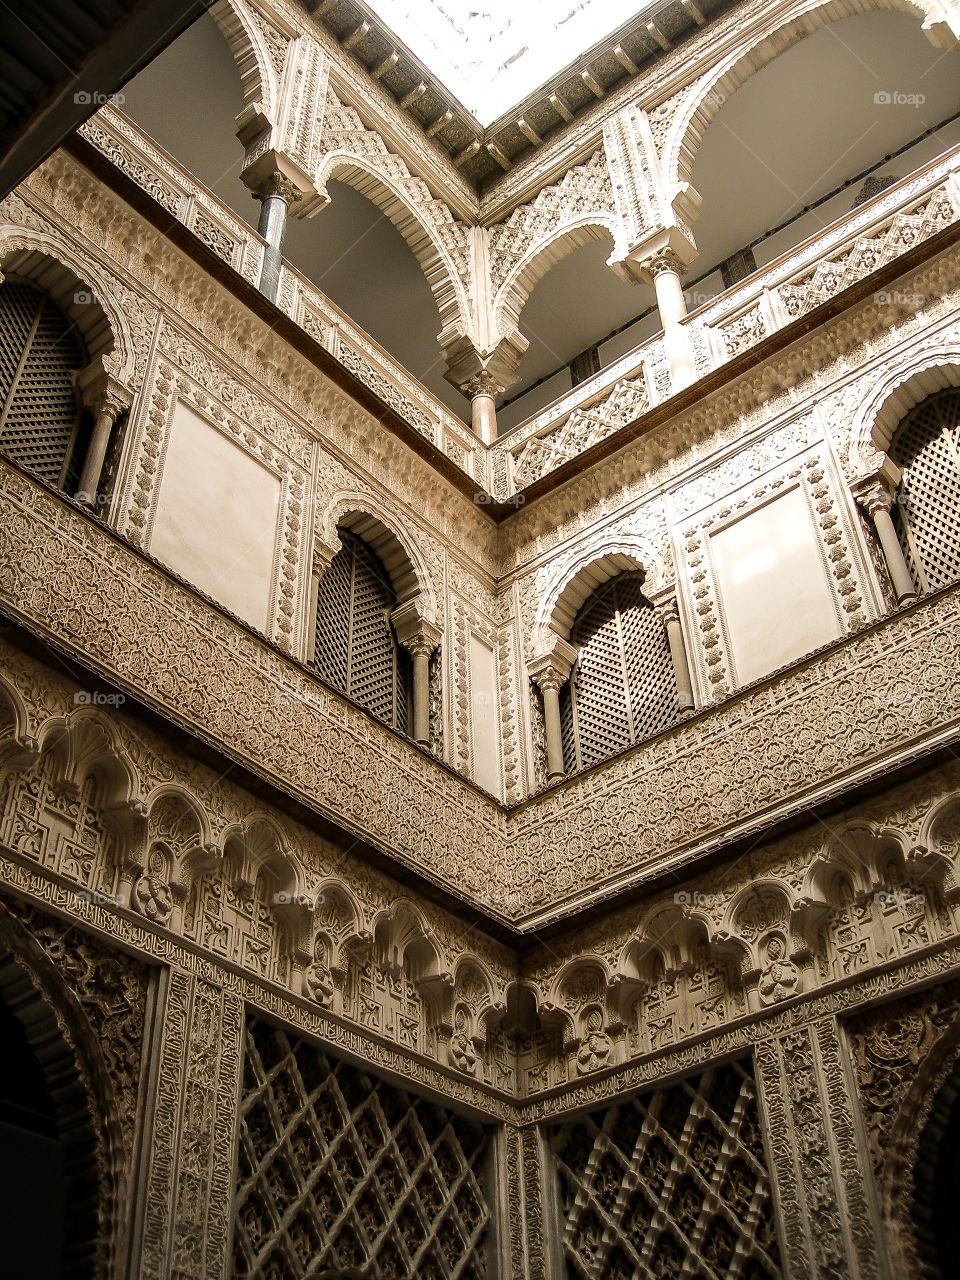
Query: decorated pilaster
(420, 638)
(874, 494)
(656, 243)
(190, 1133)
(550, 671)
(530, 1246)
(829, 1218)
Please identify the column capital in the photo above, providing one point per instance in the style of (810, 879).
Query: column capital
(274, 173)
(483, 383)
(669, 248)
(278, 184)
(874, 491)
(101, 392)
(483, 371)
(414, 632)
(551, 669)
(664, 601)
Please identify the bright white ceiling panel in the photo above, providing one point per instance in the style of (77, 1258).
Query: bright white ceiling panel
(491, 53)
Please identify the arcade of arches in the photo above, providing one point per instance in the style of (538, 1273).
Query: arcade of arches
(480, 656)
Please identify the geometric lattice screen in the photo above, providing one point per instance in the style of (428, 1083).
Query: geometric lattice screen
(342, 1174)
(670, 1184)
(356, 649)
(39, 414)
(624, 685)
(926, 446)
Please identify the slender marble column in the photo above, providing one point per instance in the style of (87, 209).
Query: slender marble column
(666, 270)
(876, 499)
(275, 194)
(483, 391)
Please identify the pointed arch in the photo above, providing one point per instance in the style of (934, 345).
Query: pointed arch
(83, 292)
(542, 255)
(930, 369)
(703, 101)
(258, 81)
(80, 1089)
(422, 236)
(403, 560)
(588, 569)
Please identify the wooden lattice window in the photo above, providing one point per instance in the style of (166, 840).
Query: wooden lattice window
(624, 686)
(40, 353)
(355, 647)
(926, 446)
(670, 1184)
(343, 1174)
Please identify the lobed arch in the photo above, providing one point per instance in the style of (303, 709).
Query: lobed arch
(893, 395)
(83, 292)
(703, 101)
(402, 559)
(421, 236)
(257, 845)
(545, 253)
(735, 929)
(525, 1007)
(858, 851)
(492, 1002)
(189, 851)
(171, 793)
(82, 1093)
(15, 736)
(257, 78)
(587, 571)
(84, 745)
(914, 1128)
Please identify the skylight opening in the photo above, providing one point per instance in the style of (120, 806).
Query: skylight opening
(490, 54)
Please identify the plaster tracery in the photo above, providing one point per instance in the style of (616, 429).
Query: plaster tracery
(763, 987)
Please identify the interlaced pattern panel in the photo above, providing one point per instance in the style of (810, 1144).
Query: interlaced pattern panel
(39, 351)
(623, 687)
(355, 649)
(670, 1184)
(339, 1171)
(927, 447)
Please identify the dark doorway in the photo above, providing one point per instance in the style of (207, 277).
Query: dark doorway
(32, 1200)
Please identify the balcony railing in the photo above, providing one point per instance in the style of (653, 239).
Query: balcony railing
(240, 247)
(816, 270)
(847, 251)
